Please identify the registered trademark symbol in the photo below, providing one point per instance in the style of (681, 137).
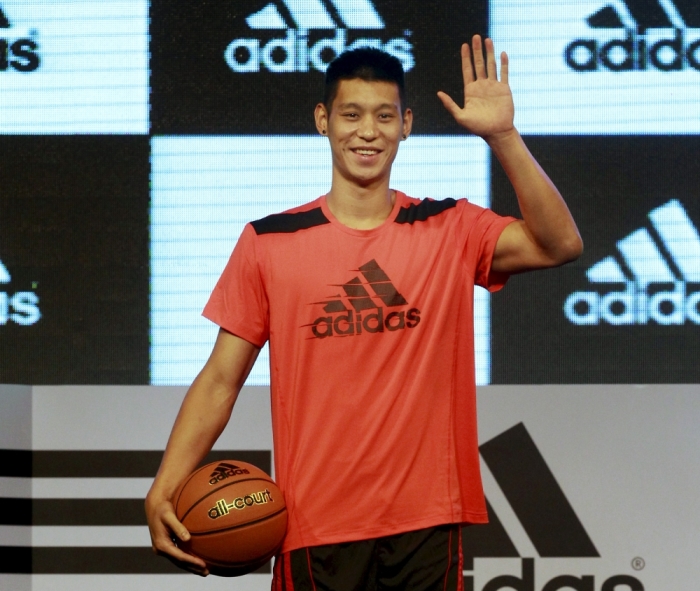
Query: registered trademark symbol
(638, 563)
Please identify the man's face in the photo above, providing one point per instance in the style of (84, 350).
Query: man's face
(364, 126)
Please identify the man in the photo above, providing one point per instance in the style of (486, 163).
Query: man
(373, 396)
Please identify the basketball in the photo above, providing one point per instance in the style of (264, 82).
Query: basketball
(235, 514)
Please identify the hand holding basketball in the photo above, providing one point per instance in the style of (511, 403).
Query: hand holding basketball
(165, 528)
(235, 515)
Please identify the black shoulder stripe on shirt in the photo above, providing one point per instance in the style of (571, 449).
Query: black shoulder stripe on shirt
(287, 223)
(424, 210)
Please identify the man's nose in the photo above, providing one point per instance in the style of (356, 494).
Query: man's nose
(368, 128)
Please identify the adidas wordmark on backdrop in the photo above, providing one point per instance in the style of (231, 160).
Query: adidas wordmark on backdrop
(294, 53)
(672, 258)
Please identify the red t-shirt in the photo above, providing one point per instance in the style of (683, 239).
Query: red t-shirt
(371, 362)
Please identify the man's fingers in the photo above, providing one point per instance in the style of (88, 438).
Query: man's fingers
(166, 532)
(184, 561)
(164, 546)
(490, 59)
(504, 67)
(450, 105)
(172, 522)
(479, 66)
(467, 69)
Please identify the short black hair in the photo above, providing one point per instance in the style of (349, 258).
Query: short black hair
(366, 63)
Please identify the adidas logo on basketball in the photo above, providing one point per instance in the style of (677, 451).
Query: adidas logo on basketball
(296, 52)
(224, 471)
(669, 259)
(343, 321)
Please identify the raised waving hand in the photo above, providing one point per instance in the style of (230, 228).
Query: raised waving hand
(488, 109)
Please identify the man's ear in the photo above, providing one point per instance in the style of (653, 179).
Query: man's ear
(321, 117)
(407, 122)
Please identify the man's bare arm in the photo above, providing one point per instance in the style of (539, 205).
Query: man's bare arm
(547, 235)
(204, 413)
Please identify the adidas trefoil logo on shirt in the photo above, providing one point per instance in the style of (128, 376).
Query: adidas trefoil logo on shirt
(648, 268)
(341, 320)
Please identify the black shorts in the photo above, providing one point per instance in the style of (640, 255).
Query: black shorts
(423, 560)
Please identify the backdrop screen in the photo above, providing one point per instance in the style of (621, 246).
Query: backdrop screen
(139, 137)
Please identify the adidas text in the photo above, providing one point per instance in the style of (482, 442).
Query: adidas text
(224, 471)
(636, 52)
(661, 279)
(345, 325)
(17, 52)
(294, 54)
(21, 308)
(526, 582)
(634, 306)
(19, 55)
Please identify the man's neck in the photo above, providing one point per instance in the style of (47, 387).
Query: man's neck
(361, 208)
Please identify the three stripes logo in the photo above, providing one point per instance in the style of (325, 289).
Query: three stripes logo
(545, 513)
(661, 35)
(18, 52)
(296, 51)
(225, 470)
(88, 517)
(21, 308)
(347, 314)
(659, 268)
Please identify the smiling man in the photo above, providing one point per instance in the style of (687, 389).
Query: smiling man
(366, 297)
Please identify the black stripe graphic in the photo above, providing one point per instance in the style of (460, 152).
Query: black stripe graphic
(72, 512)
(288, 223)
(106, 464)
(535, 495)
(488, 540)
(87, 560)
(427, 208)
(648, 13)
(16, 463)
(605, 18)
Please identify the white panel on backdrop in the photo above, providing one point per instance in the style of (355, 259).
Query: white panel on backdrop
(78, 66)
(204, 190)
(144, 583)
(15, 417)
(626, 459)
(601, 66)
(135, 418)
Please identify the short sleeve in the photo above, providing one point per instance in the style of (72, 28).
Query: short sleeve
(239, 302)
(479, 231)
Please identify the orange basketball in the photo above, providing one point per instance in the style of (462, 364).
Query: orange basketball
(235, 514)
